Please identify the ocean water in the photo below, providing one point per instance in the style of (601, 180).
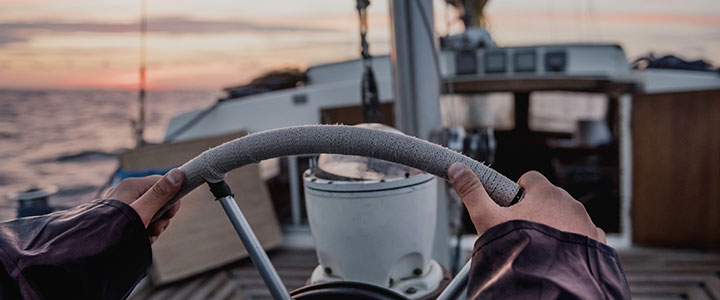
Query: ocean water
(70, 138)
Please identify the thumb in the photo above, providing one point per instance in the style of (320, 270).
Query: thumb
(483, 211)
(161, 192)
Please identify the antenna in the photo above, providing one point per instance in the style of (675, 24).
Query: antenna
(139, 125)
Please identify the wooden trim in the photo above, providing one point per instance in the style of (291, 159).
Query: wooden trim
(487, 84)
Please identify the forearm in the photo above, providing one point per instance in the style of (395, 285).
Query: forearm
(99, 250)
(526, 260)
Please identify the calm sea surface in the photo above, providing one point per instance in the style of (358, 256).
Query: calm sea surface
(69, 138)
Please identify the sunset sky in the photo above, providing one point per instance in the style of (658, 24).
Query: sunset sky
(210, 44)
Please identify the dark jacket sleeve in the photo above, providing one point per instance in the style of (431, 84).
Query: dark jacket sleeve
(526, 260)
(99, 250)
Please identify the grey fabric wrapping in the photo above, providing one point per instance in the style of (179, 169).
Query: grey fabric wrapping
(211, 165)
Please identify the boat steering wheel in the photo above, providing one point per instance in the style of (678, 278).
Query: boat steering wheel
(211, 166)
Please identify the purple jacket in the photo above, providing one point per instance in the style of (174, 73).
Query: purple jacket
(526, 260)
(101, 250)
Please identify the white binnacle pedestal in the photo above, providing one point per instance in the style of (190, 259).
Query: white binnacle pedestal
(375, 231)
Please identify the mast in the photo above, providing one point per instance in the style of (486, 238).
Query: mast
(140, 123)
(417, 91)
(414, 57)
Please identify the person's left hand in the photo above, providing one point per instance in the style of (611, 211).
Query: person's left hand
(543, 203)
(147, 195)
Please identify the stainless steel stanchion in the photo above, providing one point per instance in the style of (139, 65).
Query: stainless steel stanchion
(252, 244)
(457, 285)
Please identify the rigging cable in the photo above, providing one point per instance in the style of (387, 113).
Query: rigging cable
(190, 124)
(594, 25)
(369, 92)
(552, 19)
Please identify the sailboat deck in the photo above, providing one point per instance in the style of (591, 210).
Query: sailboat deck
(651, 273)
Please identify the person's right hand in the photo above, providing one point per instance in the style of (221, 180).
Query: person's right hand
(543, 203)
(147, 195)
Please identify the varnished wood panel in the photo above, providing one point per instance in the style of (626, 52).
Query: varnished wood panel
(676, 169)
(353, 115)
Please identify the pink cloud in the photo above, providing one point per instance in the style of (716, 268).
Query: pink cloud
(614, 17)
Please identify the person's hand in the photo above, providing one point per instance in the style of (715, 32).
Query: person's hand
(543, 203)
(147, 195)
